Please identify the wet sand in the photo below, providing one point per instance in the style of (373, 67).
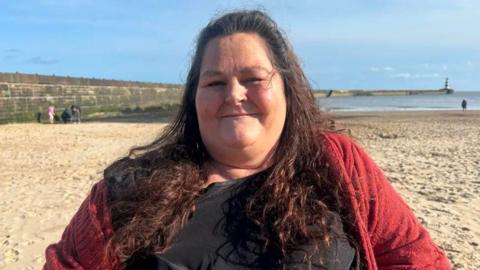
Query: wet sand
(432, 158)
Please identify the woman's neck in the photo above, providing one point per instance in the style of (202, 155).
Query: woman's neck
(220, 172)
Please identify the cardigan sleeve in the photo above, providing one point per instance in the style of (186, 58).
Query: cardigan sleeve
(397, 238)
(82, 245)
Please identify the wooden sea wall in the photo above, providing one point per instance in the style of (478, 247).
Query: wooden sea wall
(21, 101)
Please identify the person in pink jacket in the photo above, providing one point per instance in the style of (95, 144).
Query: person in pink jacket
(51, 113)
(248, 176)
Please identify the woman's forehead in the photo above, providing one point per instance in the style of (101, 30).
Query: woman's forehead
(240, 52)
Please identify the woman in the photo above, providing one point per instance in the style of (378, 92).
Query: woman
(247, 177)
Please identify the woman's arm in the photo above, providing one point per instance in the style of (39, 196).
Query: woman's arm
(397, 238)
(82, 245)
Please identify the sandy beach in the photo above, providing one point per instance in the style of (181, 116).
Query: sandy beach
(432, 158)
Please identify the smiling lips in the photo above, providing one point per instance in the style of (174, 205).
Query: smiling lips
(239, 115)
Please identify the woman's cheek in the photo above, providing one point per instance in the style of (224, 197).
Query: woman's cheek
(208, 102)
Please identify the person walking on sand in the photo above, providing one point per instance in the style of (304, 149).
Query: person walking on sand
(67, 115)
(51, 113)
(76, 111)
(464, 105)
(38, 115)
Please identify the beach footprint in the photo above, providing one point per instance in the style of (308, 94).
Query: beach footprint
(11, 255)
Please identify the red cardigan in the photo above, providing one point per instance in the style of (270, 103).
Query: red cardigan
(391, 236)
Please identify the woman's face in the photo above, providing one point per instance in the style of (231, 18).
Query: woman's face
(240, 99)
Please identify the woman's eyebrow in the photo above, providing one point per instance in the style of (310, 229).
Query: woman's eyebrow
(255, 68)
(214, 72)
(210, 73)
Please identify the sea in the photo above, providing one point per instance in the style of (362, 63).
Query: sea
(401, 103)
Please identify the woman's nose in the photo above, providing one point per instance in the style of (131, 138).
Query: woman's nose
(235, 92)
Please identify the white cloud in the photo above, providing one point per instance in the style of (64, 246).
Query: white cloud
(404, 75)
(38, 60)
(426, 65)
(388, 69)
(408, 75)
(385, 69)
(12, 51)
(469, 63)
(11, 54)
(434, 67)
(432, 75)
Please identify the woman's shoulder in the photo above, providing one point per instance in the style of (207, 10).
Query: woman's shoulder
(348, 159)
(122, 176)
(339, 145)
(336, 137)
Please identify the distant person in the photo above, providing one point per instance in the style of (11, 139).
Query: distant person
(39, 117)
(464, 105)
(67, 115)
(76, 111)
(51, 113)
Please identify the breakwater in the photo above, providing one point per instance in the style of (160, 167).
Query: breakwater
(350, 93)
(22, 96)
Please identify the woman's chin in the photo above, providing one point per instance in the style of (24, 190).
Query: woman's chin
(239, 140)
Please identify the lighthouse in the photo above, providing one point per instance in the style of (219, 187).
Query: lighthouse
(446, 88)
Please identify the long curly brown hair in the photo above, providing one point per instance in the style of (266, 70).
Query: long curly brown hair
(152, 192)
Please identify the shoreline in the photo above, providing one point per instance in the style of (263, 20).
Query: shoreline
(381, 92)
(404, 114)
(400, 110)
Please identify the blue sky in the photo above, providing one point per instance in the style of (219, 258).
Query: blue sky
(362, 44)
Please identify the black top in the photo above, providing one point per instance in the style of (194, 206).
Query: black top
(219, 236)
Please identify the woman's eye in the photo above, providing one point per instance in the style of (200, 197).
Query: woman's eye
(215, 84)
(254, 80)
